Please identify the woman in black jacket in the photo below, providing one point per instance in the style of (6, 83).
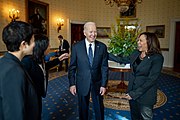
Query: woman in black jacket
(38, 68)
(146, 64)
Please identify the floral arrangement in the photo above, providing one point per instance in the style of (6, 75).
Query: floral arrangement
(123, 40)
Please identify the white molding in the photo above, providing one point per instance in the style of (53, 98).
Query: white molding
(172, 42)
(77, 22)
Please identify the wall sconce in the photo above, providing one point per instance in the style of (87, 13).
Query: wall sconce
(14, 14)
(60, 22)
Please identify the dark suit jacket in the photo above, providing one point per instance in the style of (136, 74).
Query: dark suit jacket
(80, 72)
(18, 98)
(143, 82)
(37, 74)
(65, 46)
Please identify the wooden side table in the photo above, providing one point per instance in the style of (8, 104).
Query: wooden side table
(114, 66)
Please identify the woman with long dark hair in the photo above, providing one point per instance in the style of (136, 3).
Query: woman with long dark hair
(38, 68)
(146, 64)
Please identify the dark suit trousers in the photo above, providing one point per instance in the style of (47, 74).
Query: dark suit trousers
(40, 106)
(61, 62)
(66, 63)
(97, 100)
(140, 112)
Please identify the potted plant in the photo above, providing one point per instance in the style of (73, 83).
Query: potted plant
(123, 40)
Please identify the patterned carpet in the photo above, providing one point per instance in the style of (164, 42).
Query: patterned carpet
(113, 99)
(61, 105)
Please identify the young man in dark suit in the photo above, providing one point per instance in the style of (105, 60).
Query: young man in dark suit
(88, 72)
(63, 48)
(18, 97)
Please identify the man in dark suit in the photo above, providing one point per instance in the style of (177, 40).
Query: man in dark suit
(18, 97)
(63, 48)
(88, 72)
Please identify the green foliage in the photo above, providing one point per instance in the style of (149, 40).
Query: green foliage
(123, 40)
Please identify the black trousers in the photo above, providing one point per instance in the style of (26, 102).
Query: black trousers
(140, 112)
(97, 100)
(65, 60)
(66, 65)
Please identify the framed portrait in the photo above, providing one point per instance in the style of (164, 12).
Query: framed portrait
(103, 32)
(159, 30)
(131, 12)
(38, 16)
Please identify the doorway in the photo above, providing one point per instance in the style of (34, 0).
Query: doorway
(177, 48)
(76, 33)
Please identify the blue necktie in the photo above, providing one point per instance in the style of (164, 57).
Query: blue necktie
(90, 55)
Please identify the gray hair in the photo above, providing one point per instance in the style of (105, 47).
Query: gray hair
(89, 23)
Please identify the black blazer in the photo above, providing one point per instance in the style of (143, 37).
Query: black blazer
(65, 46)
(37, 74)
(18, 98)
(80, 72)
(143, 82)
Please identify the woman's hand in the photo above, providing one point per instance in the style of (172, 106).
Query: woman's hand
(102, 90)
(127, 96)
(63, 56)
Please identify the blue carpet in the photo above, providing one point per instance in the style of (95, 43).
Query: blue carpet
(171, 87)
(59, 104)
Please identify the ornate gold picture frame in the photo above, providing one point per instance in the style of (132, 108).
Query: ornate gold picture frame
(40, 22)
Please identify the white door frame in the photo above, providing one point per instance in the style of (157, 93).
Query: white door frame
(172, 41)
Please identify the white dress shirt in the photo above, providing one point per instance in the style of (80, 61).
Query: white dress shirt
(87, 46)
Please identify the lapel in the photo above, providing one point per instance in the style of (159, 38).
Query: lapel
(143, 62)
(134, 57)
(96, 51)
(83, 51)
